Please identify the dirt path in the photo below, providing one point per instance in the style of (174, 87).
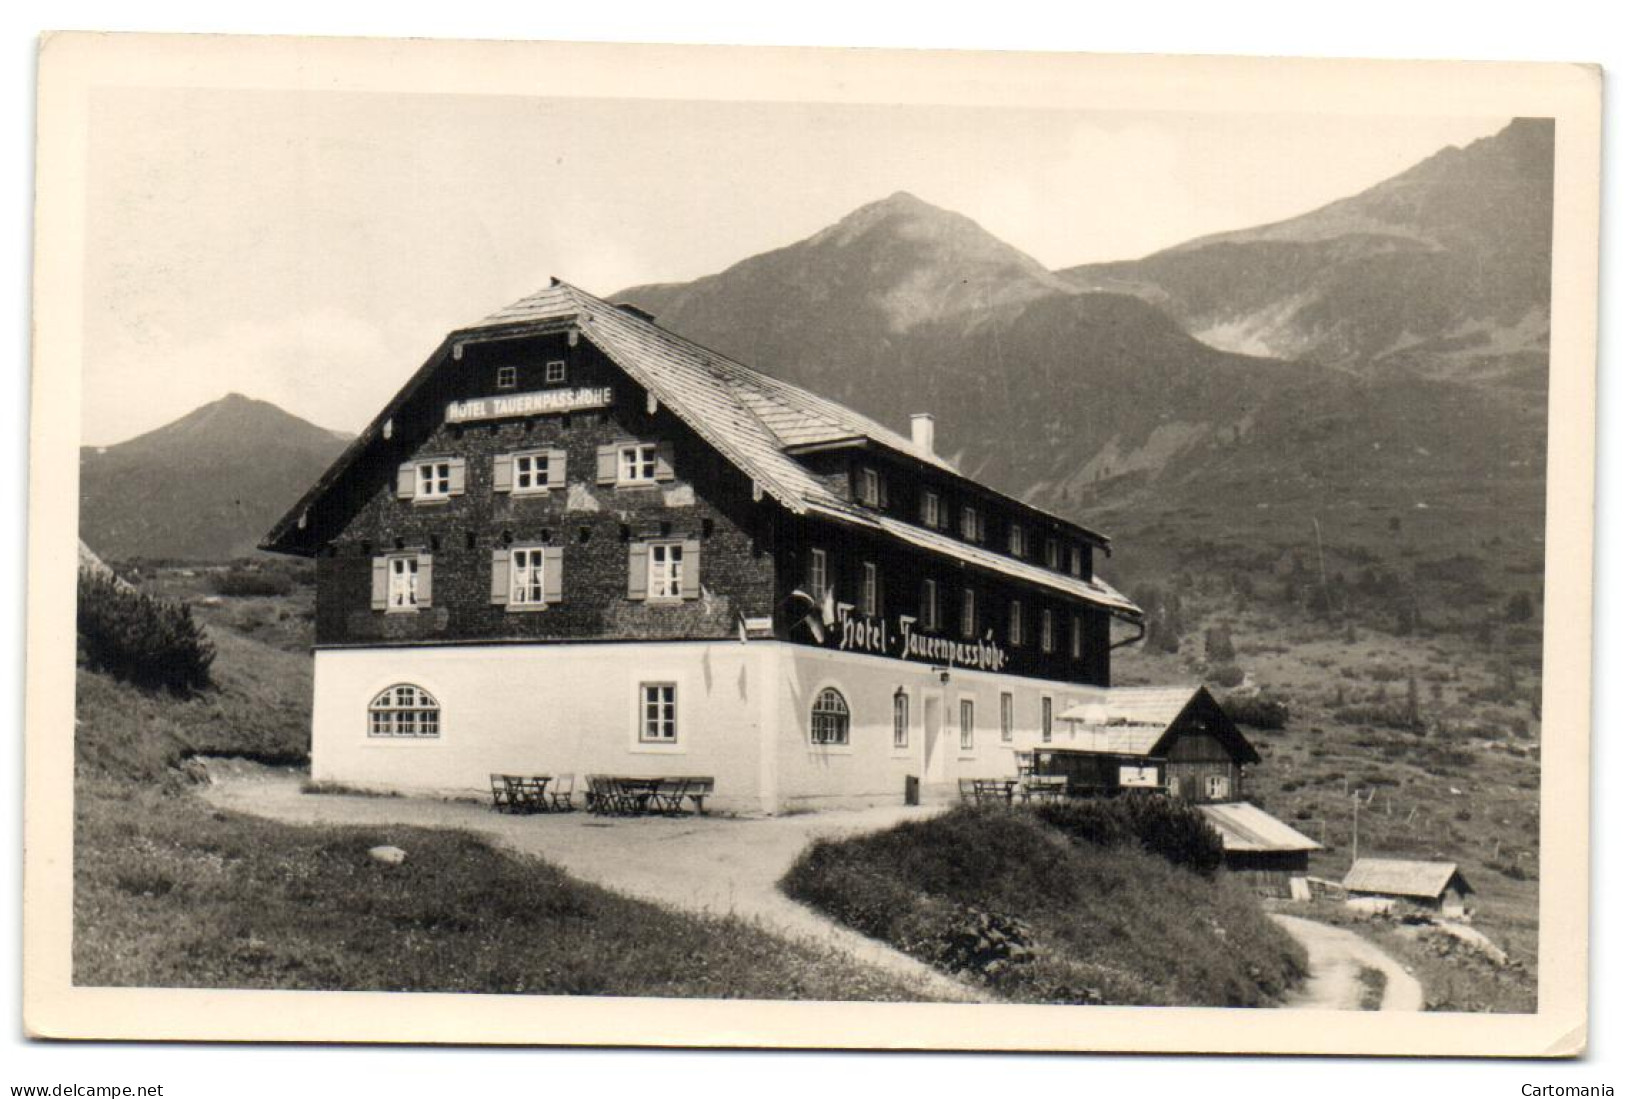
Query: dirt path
(1336, 956)
(712, 864)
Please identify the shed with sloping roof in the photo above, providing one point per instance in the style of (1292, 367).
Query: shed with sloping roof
(1265, 852)
(1434, 886)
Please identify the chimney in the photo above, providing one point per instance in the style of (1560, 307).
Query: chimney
(923, 428)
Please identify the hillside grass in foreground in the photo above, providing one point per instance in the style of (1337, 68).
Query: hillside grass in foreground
(169, 893)
(998, 897)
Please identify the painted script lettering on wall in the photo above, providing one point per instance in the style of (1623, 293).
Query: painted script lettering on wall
(867, 634)
(528, 404)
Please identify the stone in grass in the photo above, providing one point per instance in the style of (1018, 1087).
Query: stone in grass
(392, 856)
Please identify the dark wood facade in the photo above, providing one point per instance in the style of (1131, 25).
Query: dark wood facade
(752, 553)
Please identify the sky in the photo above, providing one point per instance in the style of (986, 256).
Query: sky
(312, 248)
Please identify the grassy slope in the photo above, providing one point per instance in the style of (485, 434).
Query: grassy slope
(170, 893)
(1107, 926)
(1465, 789)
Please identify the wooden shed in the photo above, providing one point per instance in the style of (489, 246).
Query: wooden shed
(1267, 853)
(1432, 886)
(1175, 740)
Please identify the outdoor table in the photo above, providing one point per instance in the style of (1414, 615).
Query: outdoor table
(1003, 788)
(527, 793)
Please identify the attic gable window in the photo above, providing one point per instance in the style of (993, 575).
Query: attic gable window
(637, 464)
(434, 480)
(555, 372)
(507, 377)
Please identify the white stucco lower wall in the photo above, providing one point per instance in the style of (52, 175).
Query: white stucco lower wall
(547, 709)
(871, 768)
(744, 718)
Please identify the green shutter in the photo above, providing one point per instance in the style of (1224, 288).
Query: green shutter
(406, 481)
(555, 469)
(664, 469)
(502, 473)
(606, 463)
(458, 475)
(380, 583)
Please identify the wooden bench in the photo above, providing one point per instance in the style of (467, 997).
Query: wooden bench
(1044, 788)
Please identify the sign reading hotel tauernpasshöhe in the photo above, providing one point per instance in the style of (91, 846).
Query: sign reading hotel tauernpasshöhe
(902, 639)
(528, 404)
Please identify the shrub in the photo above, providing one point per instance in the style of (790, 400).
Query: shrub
(240, 582)
(1226, 675)
(1173, 829)
(1257, 709)
(139, 639)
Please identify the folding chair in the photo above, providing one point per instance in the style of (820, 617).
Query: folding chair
(500, 800)
(563, 788)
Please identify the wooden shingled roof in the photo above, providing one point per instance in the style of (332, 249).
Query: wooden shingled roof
(1135, 721)
(1402, 877)
(1243, 826)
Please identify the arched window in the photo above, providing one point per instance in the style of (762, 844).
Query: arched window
(404, 710)
(830, 718)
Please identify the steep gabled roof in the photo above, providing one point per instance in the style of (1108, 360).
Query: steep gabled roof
(751, 419)
(1402, 877)
(1137, 721)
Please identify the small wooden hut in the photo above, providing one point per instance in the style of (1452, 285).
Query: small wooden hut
(1392, 883)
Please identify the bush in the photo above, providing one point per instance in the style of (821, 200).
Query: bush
(139, 639)
(1257, 709)
(1218, 645)
(1173, 829)
(1226, 675)
(252, 582)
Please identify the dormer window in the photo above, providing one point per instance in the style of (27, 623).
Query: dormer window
(930, 509)
(507, 377)
(1018, 540)
(970, 523)
(871, 487)
(1052, 553)
(1075, 561)
(555, 372)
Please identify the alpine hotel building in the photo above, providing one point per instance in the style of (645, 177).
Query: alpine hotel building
(576, 542)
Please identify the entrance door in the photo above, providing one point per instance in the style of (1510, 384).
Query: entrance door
(934, 766)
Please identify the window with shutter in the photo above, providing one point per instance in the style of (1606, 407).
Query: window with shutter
(667, 566)
(532, 472)
(401, 590)
(555, 469)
